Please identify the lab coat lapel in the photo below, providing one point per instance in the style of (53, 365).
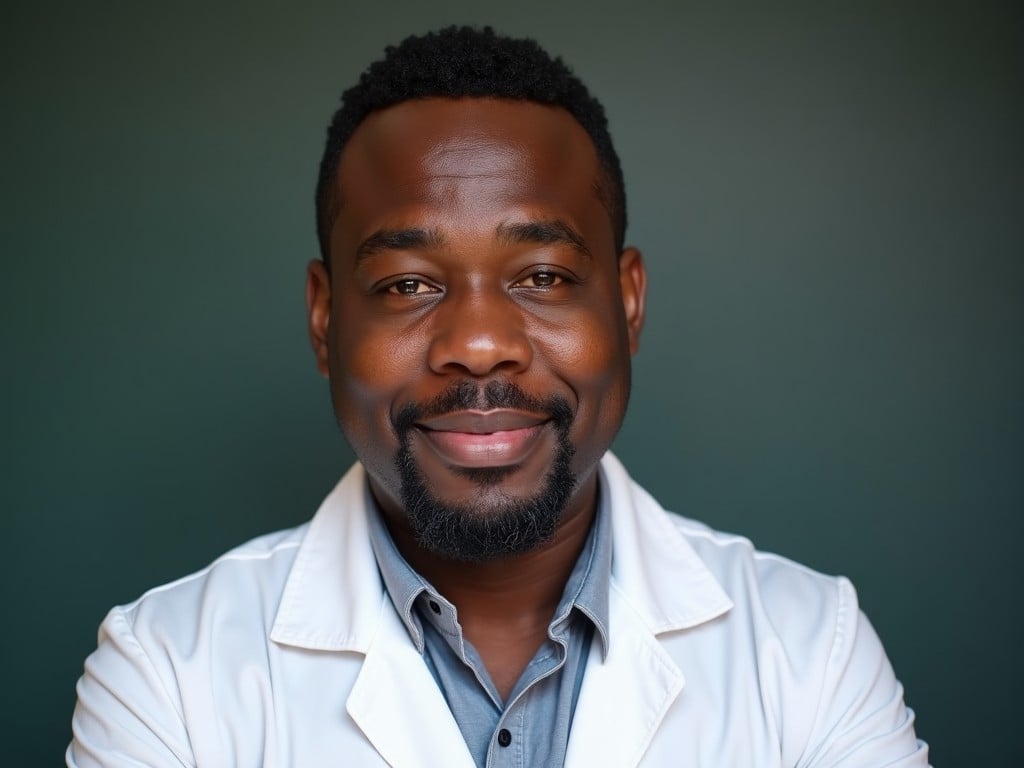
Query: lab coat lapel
(659, 585)
(334, 601)
(398, 706)
(625, 696)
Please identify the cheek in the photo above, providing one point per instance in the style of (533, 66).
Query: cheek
(373, 358)
(590, 340)
(370, 371)
(591, 353)
(584, 350)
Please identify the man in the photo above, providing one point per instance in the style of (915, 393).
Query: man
(487, 586)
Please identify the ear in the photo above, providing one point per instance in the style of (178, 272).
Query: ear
(318, 307)
(633, 285)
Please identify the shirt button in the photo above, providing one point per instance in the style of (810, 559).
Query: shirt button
(504, 737)
(435, 607)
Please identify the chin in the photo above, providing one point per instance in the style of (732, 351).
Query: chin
(493, 524)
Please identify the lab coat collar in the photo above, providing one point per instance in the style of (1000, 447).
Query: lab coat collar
(654, 568)
(333, 596)
(659, 585)
(334, 600)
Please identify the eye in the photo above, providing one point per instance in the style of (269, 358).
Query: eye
(541, 280)
(410, 287)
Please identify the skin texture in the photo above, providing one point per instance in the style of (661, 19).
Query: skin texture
(471, 245)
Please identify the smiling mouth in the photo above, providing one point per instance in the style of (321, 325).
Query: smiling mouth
(479, 439)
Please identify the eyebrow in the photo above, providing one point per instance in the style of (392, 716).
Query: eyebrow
(398, 240)
(546, 232)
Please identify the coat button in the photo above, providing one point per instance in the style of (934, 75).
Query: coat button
(504, 737)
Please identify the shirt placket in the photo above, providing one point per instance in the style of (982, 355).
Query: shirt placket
(509, 747)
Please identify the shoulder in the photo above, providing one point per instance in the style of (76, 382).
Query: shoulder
(159, 661)
(684, 576)
(241, 588)
(665, 554)
(777, 583)
(789, 642)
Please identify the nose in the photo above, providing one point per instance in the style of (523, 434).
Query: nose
(479, 334)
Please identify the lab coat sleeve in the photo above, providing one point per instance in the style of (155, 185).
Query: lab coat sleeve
(861, 720)
(126, 715)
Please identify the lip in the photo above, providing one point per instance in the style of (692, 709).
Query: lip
(483, 422)
(497, 438)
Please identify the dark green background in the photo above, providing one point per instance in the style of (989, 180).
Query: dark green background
(832, 208)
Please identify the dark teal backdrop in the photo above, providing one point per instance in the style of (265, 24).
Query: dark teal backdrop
(831, 204)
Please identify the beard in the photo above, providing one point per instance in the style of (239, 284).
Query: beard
(494, 525)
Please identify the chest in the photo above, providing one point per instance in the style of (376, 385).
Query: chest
(301, 707)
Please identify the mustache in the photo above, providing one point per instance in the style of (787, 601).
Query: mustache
(470, 395)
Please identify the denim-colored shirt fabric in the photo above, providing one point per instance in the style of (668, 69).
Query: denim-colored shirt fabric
(531, 729)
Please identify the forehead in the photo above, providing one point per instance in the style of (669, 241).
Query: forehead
(468, 153)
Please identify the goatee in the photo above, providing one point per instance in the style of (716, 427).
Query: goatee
(498, 526)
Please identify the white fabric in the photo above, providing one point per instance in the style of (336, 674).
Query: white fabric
(286, 652)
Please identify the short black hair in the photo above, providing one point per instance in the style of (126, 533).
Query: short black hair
(457, 62)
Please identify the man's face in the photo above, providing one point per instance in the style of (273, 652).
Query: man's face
(476, 322)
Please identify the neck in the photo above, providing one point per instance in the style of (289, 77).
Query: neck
(505, 605)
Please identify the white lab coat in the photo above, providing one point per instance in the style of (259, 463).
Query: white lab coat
(287, 652)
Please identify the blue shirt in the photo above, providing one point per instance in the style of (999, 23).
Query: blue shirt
(531, 728)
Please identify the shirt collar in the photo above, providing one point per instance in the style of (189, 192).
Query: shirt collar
(402, 583)
(588, 584)
(586, 589)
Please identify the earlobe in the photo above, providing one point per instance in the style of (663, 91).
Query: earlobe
(318, 307)
(633, 285)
